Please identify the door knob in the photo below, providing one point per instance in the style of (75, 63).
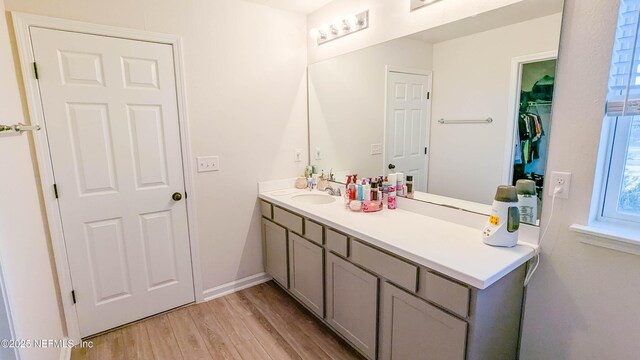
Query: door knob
(176, 196)
(391, 166)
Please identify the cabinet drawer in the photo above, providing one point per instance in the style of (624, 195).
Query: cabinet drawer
(444, 292)
(313, 231)
(265, 209)
(393, 269)
(337, 242)
(289, 220)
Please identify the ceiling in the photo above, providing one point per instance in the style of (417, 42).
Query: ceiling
(508, 15)
(300, 6)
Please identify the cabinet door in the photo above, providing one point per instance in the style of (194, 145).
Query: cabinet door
(352, 303)
(275, 251)
(411, 328)
(305, 266)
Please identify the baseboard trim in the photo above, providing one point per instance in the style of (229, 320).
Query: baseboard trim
(65, 352)
(231, 287)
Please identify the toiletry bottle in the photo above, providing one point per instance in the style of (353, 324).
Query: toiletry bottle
(367, 192)
(374, 191)
(351, 188)
(409, 186)
(391, 192)
(385, 189)
(377, 192)
(399, 184)
(359, 196)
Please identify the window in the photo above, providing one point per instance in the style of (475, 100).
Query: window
(621, 195)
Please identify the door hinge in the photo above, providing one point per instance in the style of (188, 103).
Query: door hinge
(35, 70)
(73, 296)
(428, 95)
(425, 150)
(55, 190)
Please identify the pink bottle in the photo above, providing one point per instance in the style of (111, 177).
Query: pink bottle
(391, 197)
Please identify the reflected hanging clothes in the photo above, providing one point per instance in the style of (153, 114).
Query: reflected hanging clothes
(530, 131)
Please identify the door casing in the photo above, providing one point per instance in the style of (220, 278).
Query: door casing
(514, 105)
(22, 23)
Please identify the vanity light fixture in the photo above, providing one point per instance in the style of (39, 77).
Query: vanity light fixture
(416, 4)
(341, 27)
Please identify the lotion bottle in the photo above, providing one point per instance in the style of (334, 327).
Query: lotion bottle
(367, 192)
(351, 188)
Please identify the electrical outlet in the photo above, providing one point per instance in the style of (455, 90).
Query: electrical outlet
(208, 163)
(376, 149)
(318, 154)
(298, 155)
(562, 179)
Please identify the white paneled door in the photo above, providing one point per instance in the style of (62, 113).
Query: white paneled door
(111, 117)
(407, 125)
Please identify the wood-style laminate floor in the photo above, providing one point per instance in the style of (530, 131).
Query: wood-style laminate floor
(262, 322)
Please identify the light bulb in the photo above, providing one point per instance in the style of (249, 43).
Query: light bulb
(352, 20)
(345, 26)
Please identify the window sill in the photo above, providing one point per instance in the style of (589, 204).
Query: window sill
(611, 236)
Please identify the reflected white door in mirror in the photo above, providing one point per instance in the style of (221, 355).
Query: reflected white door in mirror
(406, 137)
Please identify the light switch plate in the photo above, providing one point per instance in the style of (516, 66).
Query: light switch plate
(297, 157)
(318, 154)
(208, 163)
(376, 149)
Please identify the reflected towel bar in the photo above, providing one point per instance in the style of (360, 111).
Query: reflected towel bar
(19, 127)
(483, 121)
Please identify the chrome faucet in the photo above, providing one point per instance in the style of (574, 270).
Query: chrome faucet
(333, 191)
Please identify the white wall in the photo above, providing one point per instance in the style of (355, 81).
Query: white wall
(583, 302)
(346, 103)
(390, 19)
(24, 248)
(471, 80)
(245, 67)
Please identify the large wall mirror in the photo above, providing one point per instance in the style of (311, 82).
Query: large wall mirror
(462, 108)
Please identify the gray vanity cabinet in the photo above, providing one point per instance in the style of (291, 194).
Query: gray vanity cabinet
(306, 273)
(352, 304)
(411, 328)
(385, 305)
(275, 251)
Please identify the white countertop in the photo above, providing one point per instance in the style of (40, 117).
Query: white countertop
(449, 248)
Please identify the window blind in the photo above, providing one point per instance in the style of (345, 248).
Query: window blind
(623, 98)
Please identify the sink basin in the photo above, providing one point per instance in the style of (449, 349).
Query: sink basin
(316, 199)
